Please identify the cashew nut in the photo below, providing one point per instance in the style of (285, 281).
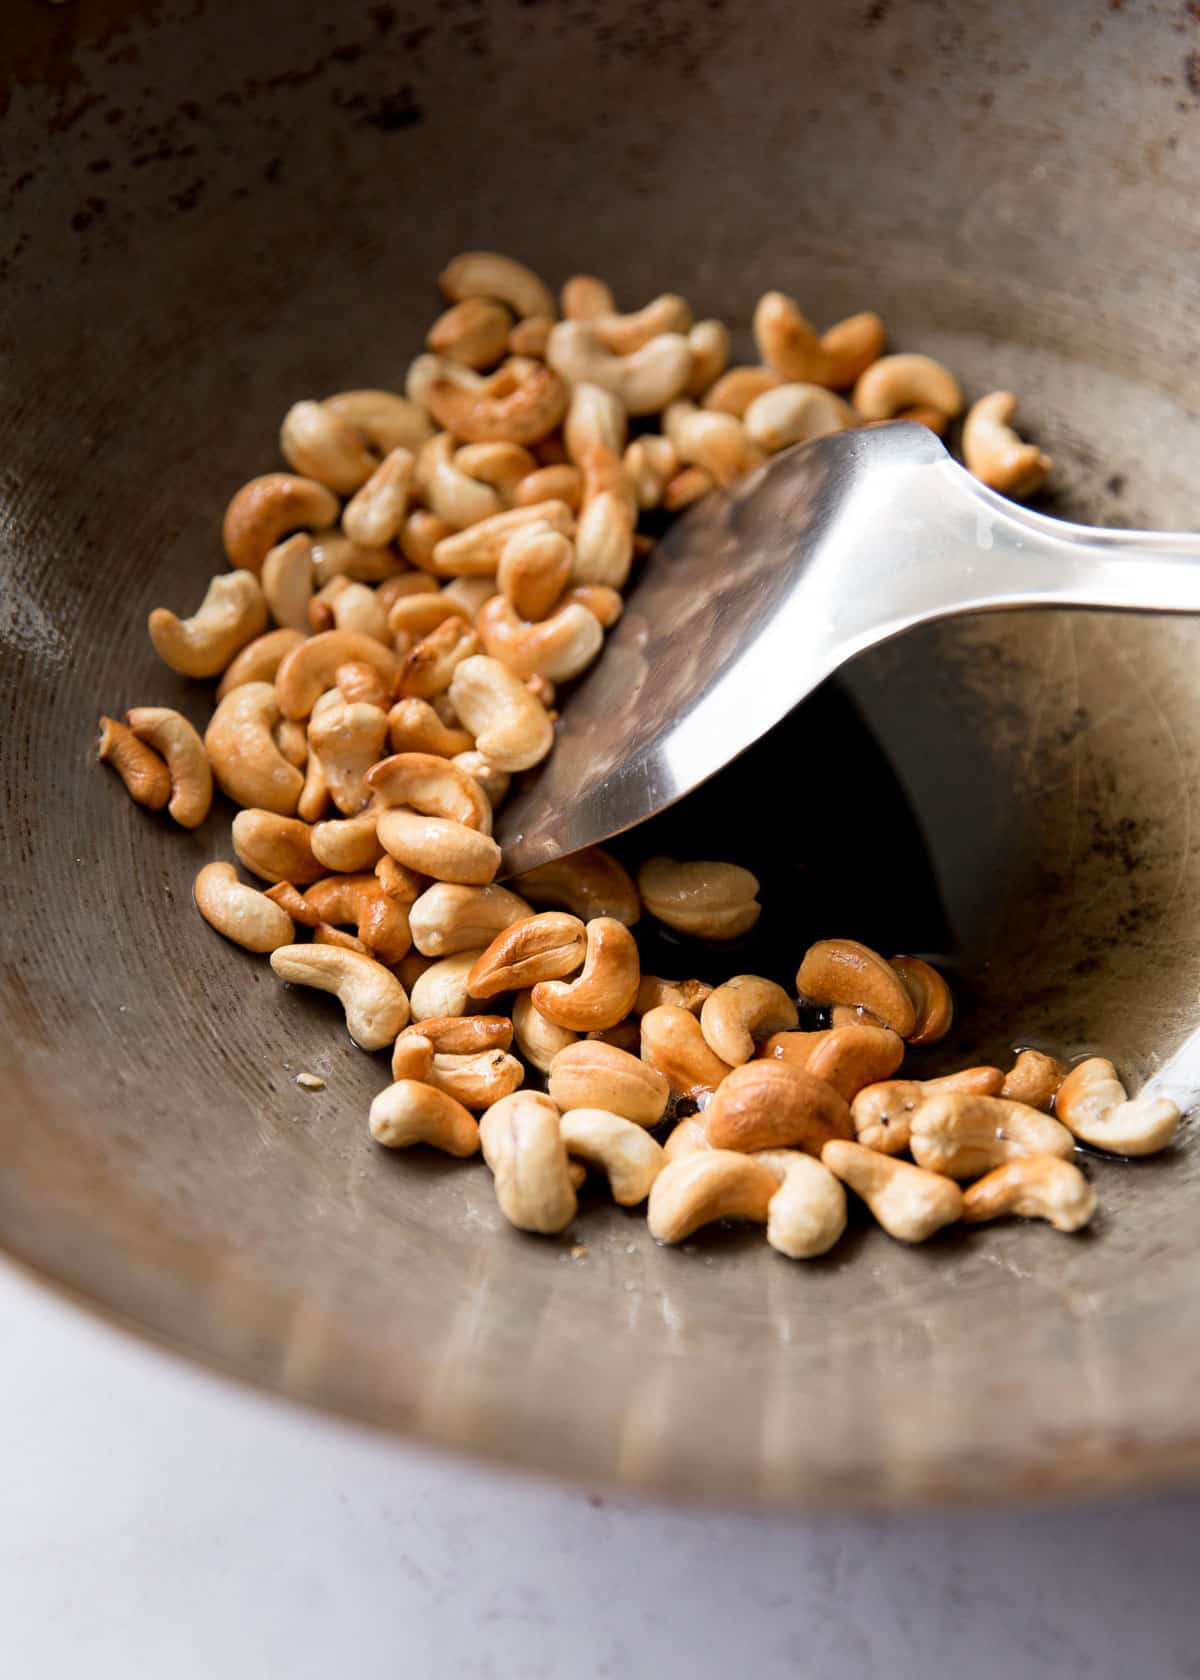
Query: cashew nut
(347, 738)
(404, 885)
(697, 1189)
(560, 483)
(310, 669)
(709, 343)
(476, 551)
(510, 726)
(794, 413)
(415, 614)
(604, 540)
(373, 516)
(792, 347)
(910, 1203)
(963, 1136)
(558, 647)
(454, 497)
(245, 759)
(584, 297)
(334, 555)
(412, 1056)
(931, 999)
(432, 786)
(441, 989)
(259, 660)
(276, 848)
(487, 274)
(411, 1112)
(502, 465)
(682, 994)
(687, 486)
(848, 1058)
(436, 846)
(360, 684)
(147, 779)
(473, 332)
(623, 334)
(896, 382)
(717, 442)
(807, 1214)
(629, 1156)
(361, 901)
(414, 726)
(538, 1039)
(589, 883)
(646, 380)
(528, 337)
(505, 408)
(596, 419)
(267, 509)
(386, 420)
(650, 462)
(743, 1010)
(604, 990)
(687, 1137)
(171, 735)
(768, 1105)
(462, 1035)
(476, 1079)
(352, 607)
(534, 566)
(592, 1074)
(241, 913)
(843, 971)
(548, 946)
(1033, 1079)
(449, 918)
(674, 1044)
(495, 783)
(736, 390)
(375, 1002)
(528, 1158)
(347, 845)
(287, 581)
(1092, 1104)
(882, 1112)
(708, 900)
(231, 614)
(994, 452)
(1036, 1187)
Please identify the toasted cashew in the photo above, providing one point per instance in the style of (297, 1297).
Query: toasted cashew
(386, 420)
(791, 345)
(896, 382)
(462, 1035)
(441, 988)
(287, 581)
(584, 297)
(629, 1156)
(843, 971)
(709, 900)
(334, 555)
(882, 1112)
(623, 334)
(266, 509)
(534, 566)
(146, 777)
(848, 1058)
(1035, 1187)
(412, 1056)
(352, 607)
(453, 496)
(709, 343)
(411, 1112)
(510, 726)
(241, 913)
(231, 614)
(476, 1079)
(1034, 1079)
(996, 454)
(768, 1105)
(321, 444)
(807, 1214)
(558, 647)
(674, 1045)
(529, 337)
(650, 463)
(310, 669)
(404, 885)
(687, 1137)
(495, 783)
(624, 1035)
(505, 408)
(604, 990)
(373, 516)
(414, 726)
(1093, 1105)
(488, 274)
(548, 946)
(646, 380)
(424, 369)
(503, 465)
(962, 1135)
(473, 332)
(170, 734)
(592, 1074)
(604, 539)
(347, 738)
(360, 684)
(418, 612)
(276, 848)
(717, 442)
(449, 918)
(596, 419)
(687, 486)
(379, 921)
(436, 846)
(538, 1039)
(528, 1158)
(682, 994)
(347, 845)
(476, 551)
(432, 786)
(560, 483)
(245, 759)
(426, 669)
(743, 1010)
(931, 999)
(794, 413)
(695, 1190)
(375, 1002)
(910, 1203)
(736, 390)
(589, 883)
(259, 660)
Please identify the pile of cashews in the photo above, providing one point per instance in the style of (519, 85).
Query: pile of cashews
(387, 644)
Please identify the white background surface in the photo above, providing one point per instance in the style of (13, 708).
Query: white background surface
(158, 1521)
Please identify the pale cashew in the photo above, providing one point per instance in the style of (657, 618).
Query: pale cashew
(589, 883)
(445, 850)
(962, 1135)
(259, 660)
(310, 669)
(432, 786)
(528, 1158)
(359, 684)
(386, 420)
(910, 1203)
(441, 988)
(476, 552)
(629, 1156)
(882, 1112)
(414, 726)
(426, 669)
(534, 566)
(560, 483)
(245, 759)
(1092, 1104)
(584, 297)
(449, 918)
(470, 593)
(495, 783)
(538, 1039)
(241, 913)
(558, 647)
(994, 452)
(687, 1137)
(276, 848)
(844, 971)
(231, 614)
(166, 732)
(487, 274)
(791, 345)
(794, 413)
(623, 334)
(709, 900)
(716, 442)
(473, 332)
(266, 509)
(351, 607)
(505, 408)
(1035, 1187)
(510, 725)
(411, 1112)
(379, 921)
(529, 337)
(373, 516)
(604, 540)
(743, 1010)
(650, 463)
(146, 777)
(688, 485)
(592, 1074)
(334, 555)
(347, 737)
(416, 613)
(698, 1189)
(848, 1058)
(287, 581)
(931, 999)
(375, 1002)
(502, 465)
(596, 419)
(463, 1035)
(654, 992)
(453, 495)
(604, 990)
(320, 444)
(897, 382)
(768, 1105)
(313, 804)
(646, 381)
(347, 845)
(737, 390)
(673, 1044)
(709, 343)
(477, 1079)
(807, 1214)
(548, 946)
(1034, 1079)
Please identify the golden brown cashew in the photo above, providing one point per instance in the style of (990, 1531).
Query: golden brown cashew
(717, 442)
(743, 1010)
(502, 465)
(650, 462)
(168, 733)
(414, 726)
(415, 615)
(674, 1045)
(628, 1155)
(432, 786)
(910, 1203)
(438, 847)
(792, 347)
(424, 369)
(768, 1105)
(488, 274)
(624, 1035)
(734, 392)
(287, 581)
(360, 901)
(529, 337)
(709, 343)
(538, 1039)
(794, 413)
(353, 607)
(411, 1112)
(454, 497)
(1033, 1079)
(477, 1079)
(386, 420)
(504, 408)
(932, 1002)
(528, 1158)
(231, 614)
(964, 1136)
(495, 783)
(462, 1035)
(241, 913)
(560, 483)
(259, 660)
(623, 334)
(510, 725)
(592, 1074)
(412, 1056)
(267, 509)
(584, 297)
(347, 845)
(476, 551)
(347, 738)
(245, 759)
(807, 1214)
(687, 486)
(404, 885)
(373, 516)
(441, 989)
(545, 947)
(1093, 1105)
(359, 685)
(558, 647)
(604, 990)
(596, 419)
(994, 452)
(147, 779)
(470, 592)
(848, 1058)
(882, 1112)
(334, 555)
(897, 382)
(653, 992)
(375, 1002)
(318, 443)
(605, 538)
(709, 900)
(1036, 1187)
(712, 1184)
(447, 918)
(844, 971)
(473, 332)
(310, 669)
(646, 381)
(687, 1137)
(535, 564)
(276, 848)
(589, 883)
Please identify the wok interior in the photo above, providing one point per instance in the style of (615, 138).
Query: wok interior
(213, 218)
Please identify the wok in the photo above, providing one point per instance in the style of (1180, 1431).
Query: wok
(212, 215)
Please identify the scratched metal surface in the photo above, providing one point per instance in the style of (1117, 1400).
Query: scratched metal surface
(210, 219)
